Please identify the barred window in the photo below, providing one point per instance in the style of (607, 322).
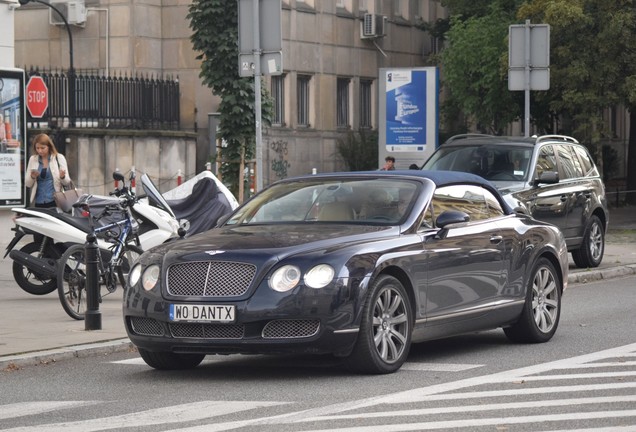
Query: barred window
(365, 104)
(278, 94)
(302, 96)
(342, 102)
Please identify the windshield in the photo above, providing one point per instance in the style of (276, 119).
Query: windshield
(154, 196)
(492, 162)
(378, 201)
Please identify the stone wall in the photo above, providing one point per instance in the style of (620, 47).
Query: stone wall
(94, 155)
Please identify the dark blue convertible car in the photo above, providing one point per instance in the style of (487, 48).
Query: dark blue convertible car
(360, 265)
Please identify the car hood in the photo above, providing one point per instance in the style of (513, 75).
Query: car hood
(272, 240)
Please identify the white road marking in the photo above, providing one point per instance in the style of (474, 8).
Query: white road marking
(159, 416)
(471, 423)
(436, 392)
(440, 392)
(22, 409)
(476, 408)
(414, 366)
(438, 367)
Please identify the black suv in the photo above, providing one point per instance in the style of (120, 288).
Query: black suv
(551, 177)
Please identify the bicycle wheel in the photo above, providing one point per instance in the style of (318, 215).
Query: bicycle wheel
(71, 281)
(128, 258)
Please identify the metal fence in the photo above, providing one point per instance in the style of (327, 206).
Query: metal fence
(109, 102)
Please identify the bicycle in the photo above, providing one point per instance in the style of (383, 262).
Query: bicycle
(113, 265)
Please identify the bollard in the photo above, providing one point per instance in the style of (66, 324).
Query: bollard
(179, 177)
(93, 317)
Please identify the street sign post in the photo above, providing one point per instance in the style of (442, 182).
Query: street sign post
(528, 61)
(37, 97)
(260, 52)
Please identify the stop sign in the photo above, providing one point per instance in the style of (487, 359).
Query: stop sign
(37, 96)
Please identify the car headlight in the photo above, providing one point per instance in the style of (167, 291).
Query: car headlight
(134, 275)
(319, 276)
(150, 277)
(285, 278)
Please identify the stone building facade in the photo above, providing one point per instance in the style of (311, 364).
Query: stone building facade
(329, 81)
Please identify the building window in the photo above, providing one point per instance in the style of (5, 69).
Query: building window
(365, 104)
(278, 94)
(401, 9)
(302, 95)
(342, 102)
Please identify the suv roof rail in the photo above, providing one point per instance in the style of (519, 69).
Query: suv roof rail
(559, 137)
(467, 135)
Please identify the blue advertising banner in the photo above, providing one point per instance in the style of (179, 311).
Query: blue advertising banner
(406, 108)
(408, 115)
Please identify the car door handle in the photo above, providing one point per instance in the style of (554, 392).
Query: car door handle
(496, 239)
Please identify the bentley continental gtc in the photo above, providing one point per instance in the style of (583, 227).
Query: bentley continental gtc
(359, 265)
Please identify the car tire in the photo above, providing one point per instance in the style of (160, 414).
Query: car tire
(542, 308)
(590, 254)
(170, 360)
(385, 333)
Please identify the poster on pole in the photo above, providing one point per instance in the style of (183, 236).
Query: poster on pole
(409, 114)
(12, 138)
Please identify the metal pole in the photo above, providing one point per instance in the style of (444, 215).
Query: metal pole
(93, 317)
(71, 70)
(527, 81)
(257, 97)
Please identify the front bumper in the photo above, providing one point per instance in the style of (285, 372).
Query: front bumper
(304, 320)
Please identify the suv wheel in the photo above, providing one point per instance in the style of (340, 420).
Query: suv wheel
(591, 251)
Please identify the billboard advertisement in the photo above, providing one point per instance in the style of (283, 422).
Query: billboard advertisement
(12, 138)
(409, 114)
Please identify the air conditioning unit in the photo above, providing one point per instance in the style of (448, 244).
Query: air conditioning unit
(372, 26)
(74, 11)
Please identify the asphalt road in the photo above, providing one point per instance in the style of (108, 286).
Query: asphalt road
(584, 378)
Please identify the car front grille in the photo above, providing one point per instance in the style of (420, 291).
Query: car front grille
(146, 326)
(288, 329)
(207, 331)
(210, 279)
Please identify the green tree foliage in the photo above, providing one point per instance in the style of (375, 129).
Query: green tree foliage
(359, 150)
(474, 66)
(592, 50)
(215, 36)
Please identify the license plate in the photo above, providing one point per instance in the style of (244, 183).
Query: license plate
(202, 313)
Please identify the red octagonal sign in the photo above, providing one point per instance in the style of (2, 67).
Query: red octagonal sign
(37, 97)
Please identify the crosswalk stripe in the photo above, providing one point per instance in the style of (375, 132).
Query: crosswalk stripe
(438, 367)
(33, 408)
(159, 416)
(477, 408)
(413, 366)
(471, 423)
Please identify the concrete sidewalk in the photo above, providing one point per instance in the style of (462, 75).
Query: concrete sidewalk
(35, 329)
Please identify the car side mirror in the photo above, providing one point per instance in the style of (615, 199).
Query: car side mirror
(450, 217)
(547, 177)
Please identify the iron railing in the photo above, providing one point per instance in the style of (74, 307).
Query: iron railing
(110, 102)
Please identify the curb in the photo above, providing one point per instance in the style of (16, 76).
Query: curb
(18, 361)
(586, 276)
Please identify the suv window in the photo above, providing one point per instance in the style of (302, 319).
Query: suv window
(546, 161)
(586, 160)
(570, 166)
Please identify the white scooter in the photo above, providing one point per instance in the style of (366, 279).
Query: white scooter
(34, 265)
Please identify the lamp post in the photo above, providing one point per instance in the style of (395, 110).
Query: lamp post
(71, 70)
